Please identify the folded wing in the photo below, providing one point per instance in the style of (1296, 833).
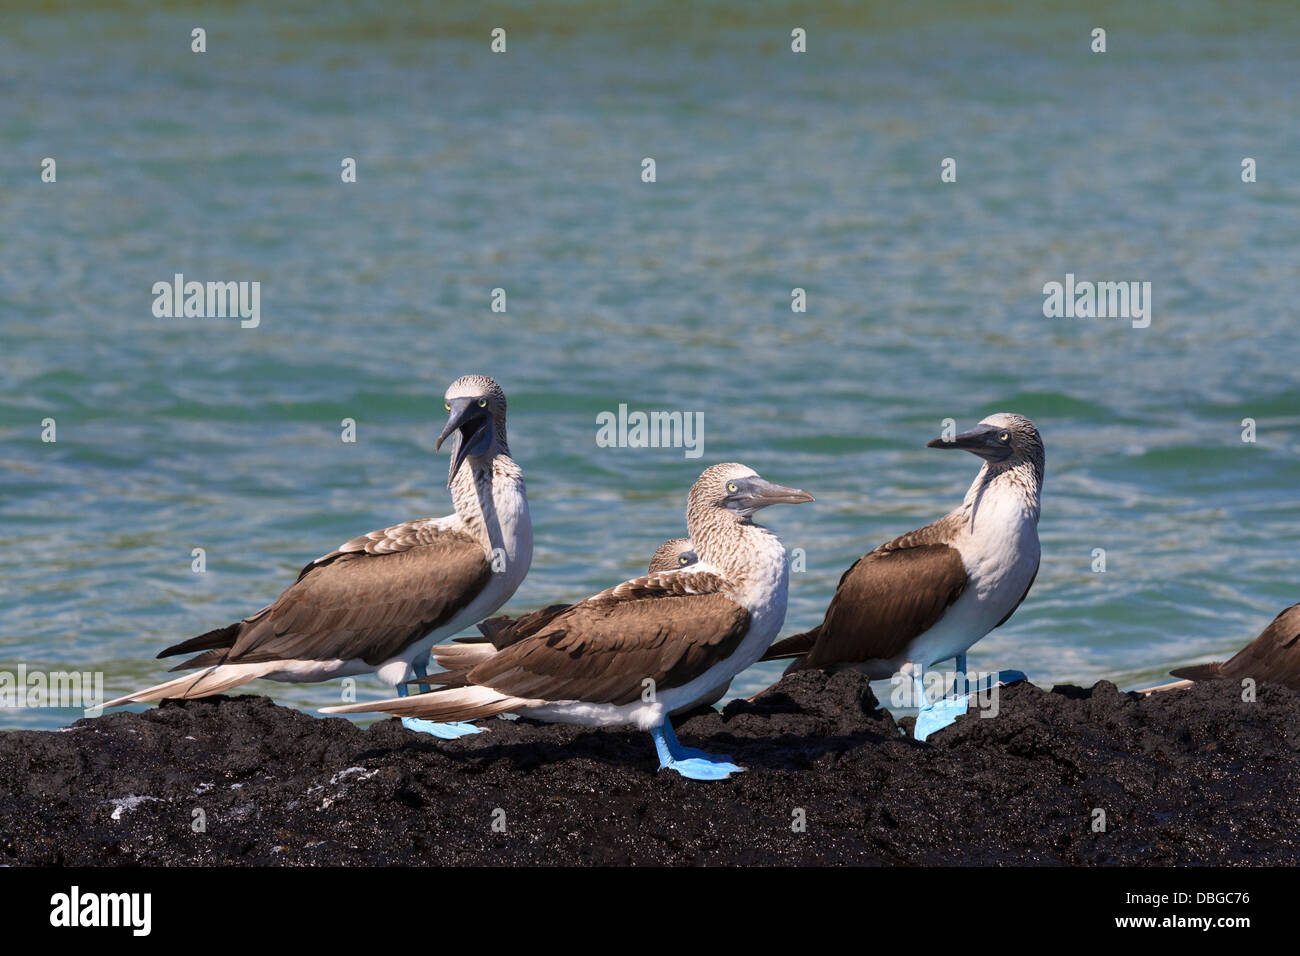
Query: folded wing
(368, 600)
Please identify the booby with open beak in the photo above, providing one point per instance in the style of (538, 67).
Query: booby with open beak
(634, 653)
(379, 602)
(930, 594)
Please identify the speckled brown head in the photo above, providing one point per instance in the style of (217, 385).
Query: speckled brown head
(672, 554)
(476, 408)
(731, 493)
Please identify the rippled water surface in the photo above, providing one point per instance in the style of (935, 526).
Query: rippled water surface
(522, 171)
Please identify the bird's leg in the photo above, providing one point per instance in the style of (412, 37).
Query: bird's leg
(935, 716)
(941, 713)
(919, 700)
(444, 731)
(687, 761)
(681, 750)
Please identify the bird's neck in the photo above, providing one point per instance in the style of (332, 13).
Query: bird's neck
(1019, 484)
(490, 498)
(747, 554)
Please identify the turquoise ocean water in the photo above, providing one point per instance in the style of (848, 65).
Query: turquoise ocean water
(522, 171)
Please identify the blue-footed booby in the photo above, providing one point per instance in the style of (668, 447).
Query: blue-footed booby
(930, 594)
(500, 632)
(634, 653)
(379, 602)
(1274, 657)
(673, 553)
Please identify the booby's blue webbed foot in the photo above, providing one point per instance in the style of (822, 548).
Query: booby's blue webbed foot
(444, 731)
(687, 761)
(699, 768)
(939, 715)
(932, 717)
(693, 753)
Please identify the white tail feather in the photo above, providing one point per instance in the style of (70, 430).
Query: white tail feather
(459, 703)
(214, 680)
(1175, 685)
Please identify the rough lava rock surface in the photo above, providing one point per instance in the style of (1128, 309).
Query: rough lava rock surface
(1196, 776)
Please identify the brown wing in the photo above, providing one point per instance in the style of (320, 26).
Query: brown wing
(891, 595)
(503, 631)
(1273, 656)
(669, 628)
(369, 600)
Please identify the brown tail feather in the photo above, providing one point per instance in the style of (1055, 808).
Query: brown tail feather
(492, 629)
(211, 658)
(503, 631)
(796, 646)
(461, 657)
(444, 679)
(222, 637)
(1210, 671)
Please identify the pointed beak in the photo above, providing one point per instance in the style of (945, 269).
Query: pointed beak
(465, 421)
(761, 493)
(981, 440)
(460, 412)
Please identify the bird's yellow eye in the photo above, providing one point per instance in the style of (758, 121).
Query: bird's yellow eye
(482, 403)
(681, 559)
(731, 486)
(1005, 437)
(446, 405)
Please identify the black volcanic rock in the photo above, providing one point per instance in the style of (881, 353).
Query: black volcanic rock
(1195, 776)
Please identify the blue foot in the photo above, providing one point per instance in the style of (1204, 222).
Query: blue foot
(687, 761)
(702, 768)
(936, 716)
(683, 753)
(450, 731)
(939, 715)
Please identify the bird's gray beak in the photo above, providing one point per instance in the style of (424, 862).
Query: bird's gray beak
(472, 430)
(756, 493)
(981, 440)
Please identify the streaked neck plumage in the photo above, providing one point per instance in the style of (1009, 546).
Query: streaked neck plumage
(478, 490)
(1020, 482)
(747, 554)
